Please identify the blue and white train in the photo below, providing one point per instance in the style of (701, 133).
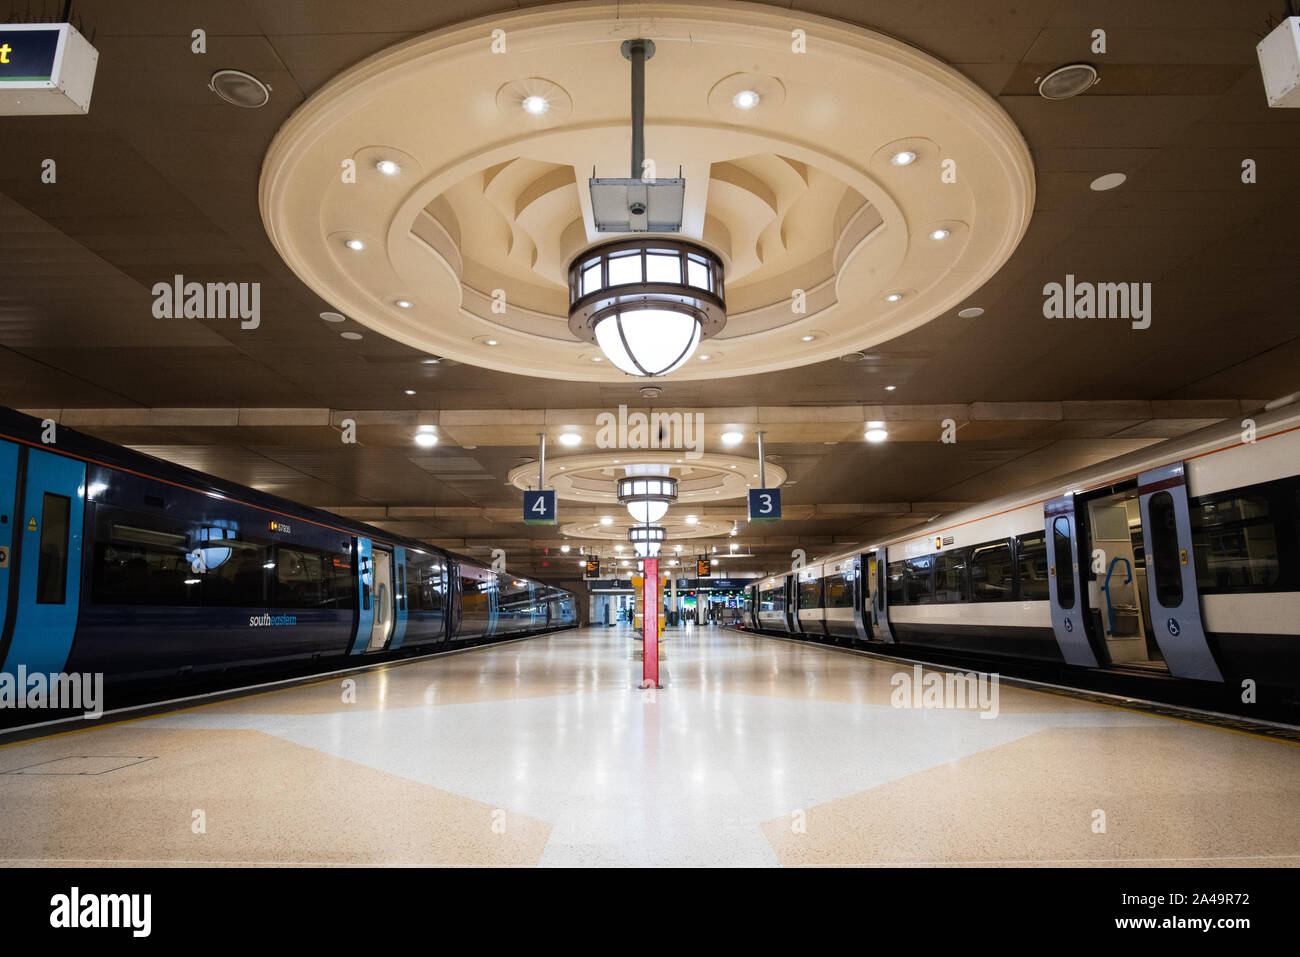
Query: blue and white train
(1180, 561)
(117, 563)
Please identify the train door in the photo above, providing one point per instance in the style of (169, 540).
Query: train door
(10, 509)
(365, 604)
(1171, 574)
(791, 591)
(1066, 596)
(455, 601)
(810, 603)
(864, 597)
(399, 597)
(881, 558)
(1116, 582)
(381, 595)
(47, 552)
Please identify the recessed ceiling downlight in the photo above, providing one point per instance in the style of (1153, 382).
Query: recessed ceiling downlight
(1108, 181)
(1067, 81)
(971, 312)
(536, 105)
(903, 158)
(745, 100)
(240, 89)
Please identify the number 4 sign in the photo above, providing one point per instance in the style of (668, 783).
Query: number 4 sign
(539, 508)
(764, 504)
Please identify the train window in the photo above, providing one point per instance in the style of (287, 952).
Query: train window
(772, 599)
(1165, 558)
(424, 587)
(839, 592)
(810, 594)
(1063, 559)
(299, 578)
(341, 580)
(950, 577)
(311, 578)
(991, 572)
(242, 580)
(477, 598)
(896, 592)
(918, 583)
(52, 565)
(136, 564)
(1032, 566)
(1234, 540)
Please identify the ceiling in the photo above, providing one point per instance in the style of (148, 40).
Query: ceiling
(455, 236)
(161, 178)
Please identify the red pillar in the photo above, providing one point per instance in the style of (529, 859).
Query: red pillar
(650, 621)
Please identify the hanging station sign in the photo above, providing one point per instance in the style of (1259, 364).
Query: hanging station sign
(45, 69)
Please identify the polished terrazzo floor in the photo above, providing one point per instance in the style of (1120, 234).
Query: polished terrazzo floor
(756, 752)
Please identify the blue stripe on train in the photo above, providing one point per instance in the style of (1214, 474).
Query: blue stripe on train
(365, 596)
(399, 596)
(8, 480)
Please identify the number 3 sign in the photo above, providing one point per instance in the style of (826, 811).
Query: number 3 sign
(764, 504)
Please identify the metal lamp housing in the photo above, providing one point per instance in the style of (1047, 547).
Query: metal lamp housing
(637, 286)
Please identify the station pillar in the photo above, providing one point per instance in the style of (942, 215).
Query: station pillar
(650, 621)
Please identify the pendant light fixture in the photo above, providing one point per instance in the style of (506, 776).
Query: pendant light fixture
(647, 303)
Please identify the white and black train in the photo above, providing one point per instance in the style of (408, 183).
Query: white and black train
(1180, 562)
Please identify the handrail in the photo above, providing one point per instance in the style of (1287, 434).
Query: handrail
(1110, 610)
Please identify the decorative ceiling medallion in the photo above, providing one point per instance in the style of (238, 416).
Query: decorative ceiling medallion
(817, 180)
(591, 478)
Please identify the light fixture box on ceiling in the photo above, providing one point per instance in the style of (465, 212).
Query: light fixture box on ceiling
(48, 69)
(1279, 63)
(638, 205)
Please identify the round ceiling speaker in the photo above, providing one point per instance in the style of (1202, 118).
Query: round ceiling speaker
(1067, 81)
(240, 89)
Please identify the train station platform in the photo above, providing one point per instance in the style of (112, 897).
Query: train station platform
(756, 751)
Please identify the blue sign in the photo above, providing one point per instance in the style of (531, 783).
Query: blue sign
(539, 508)
(764, 504)
(27, 54)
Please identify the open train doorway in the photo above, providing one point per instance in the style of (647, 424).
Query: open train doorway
(381, 624)
(1116, 580)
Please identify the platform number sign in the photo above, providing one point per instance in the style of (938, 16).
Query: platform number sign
(539, 508)
(764, 504)
(703, 567)
(593, 568)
